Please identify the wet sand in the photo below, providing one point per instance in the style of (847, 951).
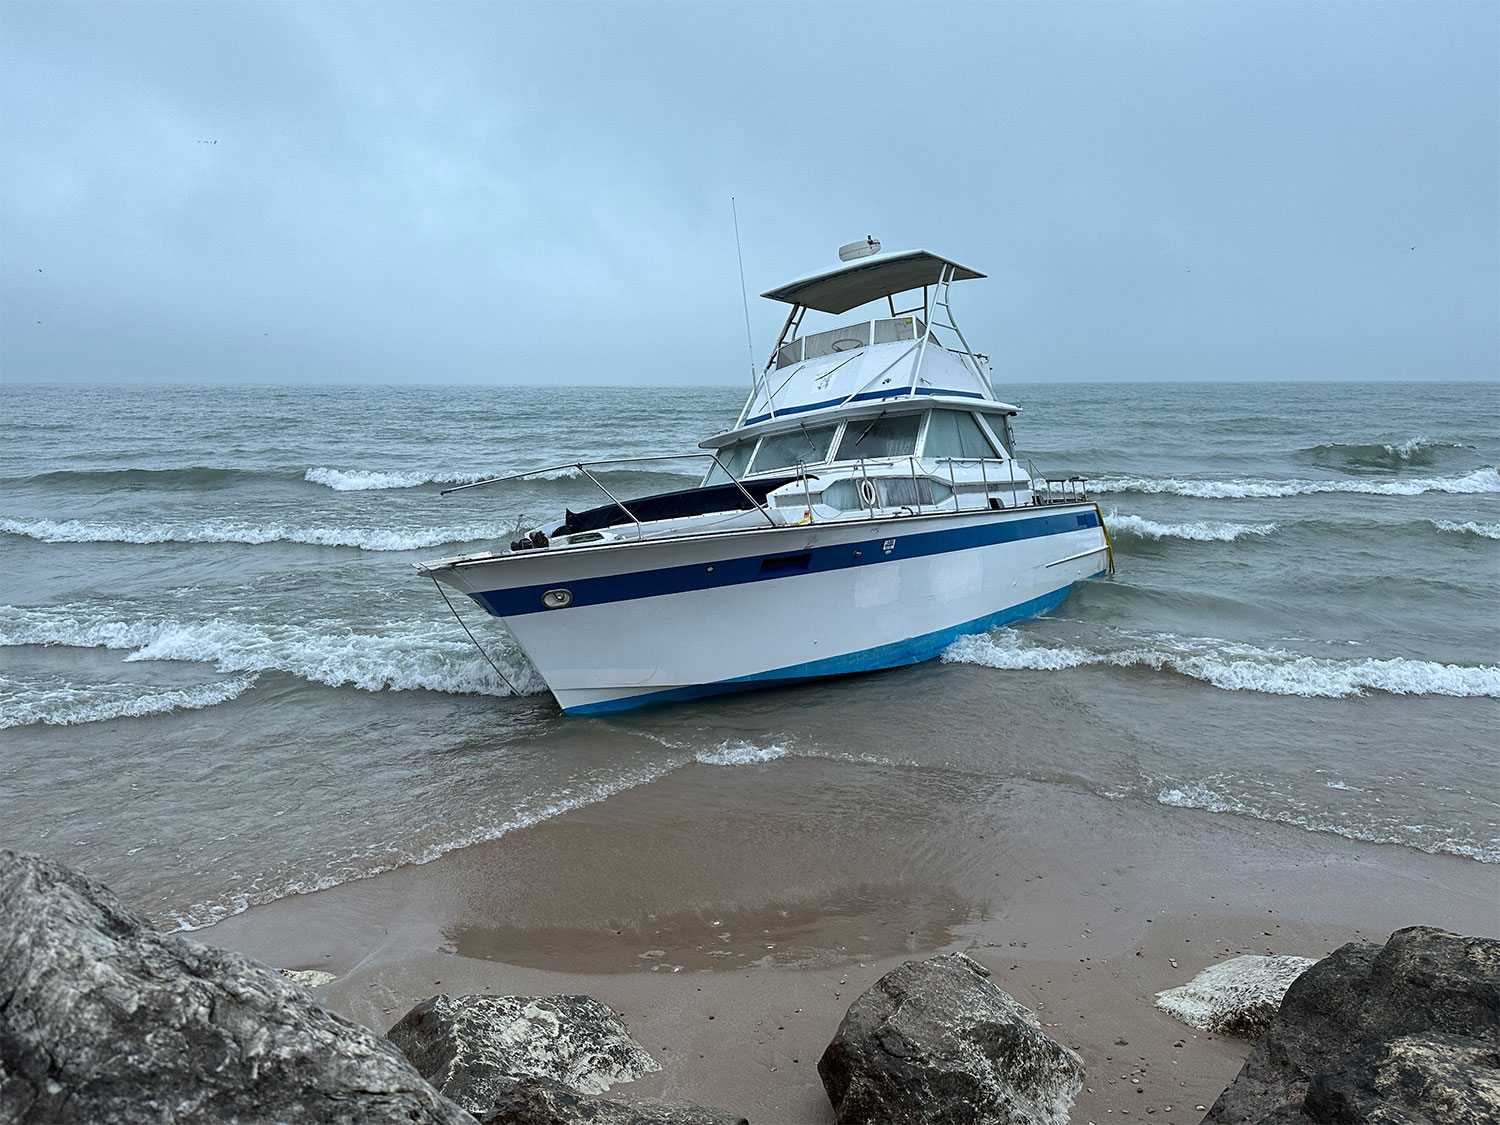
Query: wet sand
(732, 914)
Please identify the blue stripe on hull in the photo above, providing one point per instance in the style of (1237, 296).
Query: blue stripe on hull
(517, 600)
(912, 651)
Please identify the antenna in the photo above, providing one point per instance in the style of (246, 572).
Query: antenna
(744, 296)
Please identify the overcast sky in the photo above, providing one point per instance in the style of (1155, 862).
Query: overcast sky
(540, 193)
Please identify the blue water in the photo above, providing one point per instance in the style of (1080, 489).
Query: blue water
(222, 682)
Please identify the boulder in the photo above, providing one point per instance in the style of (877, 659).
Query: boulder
(308, 978)
(1364, 1026)
(104, 1019)
(1414, 1079)
(469, 1047)
(1235, 997)
(936, 1042)
(545, 1101)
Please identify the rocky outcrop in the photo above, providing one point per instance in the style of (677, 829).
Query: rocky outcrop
(1235, 997)
(935, 1042)
(470, 1047)
(1408, 1032)
(104, 1019)
(543, 1101)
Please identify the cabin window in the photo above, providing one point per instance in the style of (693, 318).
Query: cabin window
(889, 492)
(885, 436)
(732, 458)
(805, 445)
(956, 433)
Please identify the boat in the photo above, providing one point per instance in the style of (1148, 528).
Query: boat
(865, 510)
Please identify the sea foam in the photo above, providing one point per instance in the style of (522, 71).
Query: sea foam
(1236, 667)
(1478, 481)
(1219, 795)
(402, 656)
(1204, 531)
(1469, 527)
(72, 704)
(229, 531)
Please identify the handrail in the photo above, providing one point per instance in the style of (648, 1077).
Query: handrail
(584, 466)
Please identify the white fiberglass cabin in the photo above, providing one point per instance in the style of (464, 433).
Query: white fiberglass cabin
(865, 510)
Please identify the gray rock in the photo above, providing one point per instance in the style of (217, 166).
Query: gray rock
(1423, 983)
(104, 1019)
(544, 1101)
(308, 978)
(1413, 1080)
(1235, 997)
(935, 1043)
(470, 1046)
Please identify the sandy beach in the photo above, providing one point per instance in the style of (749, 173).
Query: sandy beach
(732, 915)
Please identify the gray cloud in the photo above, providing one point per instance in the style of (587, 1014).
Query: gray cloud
(540, 193)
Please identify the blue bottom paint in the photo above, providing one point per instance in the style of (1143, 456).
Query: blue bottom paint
(897, 653)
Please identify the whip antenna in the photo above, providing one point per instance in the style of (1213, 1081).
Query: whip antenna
(744, 296)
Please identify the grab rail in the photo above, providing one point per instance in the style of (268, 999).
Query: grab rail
(584, 466)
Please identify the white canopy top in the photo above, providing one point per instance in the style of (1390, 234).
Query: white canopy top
(868, 279)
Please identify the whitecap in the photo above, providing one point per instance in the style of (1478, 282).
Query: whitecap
(400, 656)
(1469, 527)
(1236, 667)
(364, 480)
(1485, 480)
(1206, 531)
(228, 531)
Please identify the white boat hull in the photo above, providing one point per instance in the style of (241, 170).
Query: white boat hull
(668, 619)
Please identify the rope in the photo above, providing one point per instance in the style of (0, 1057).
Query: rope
(503, 678)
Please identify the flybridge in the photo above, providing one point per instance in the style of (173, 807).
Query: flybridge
(918, 349)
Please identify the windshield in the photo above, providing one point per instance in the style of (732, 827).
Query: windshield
(805, 445)
(881, 437)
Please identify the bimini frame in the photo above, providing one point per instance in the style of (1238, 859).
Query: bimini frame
(871, 279)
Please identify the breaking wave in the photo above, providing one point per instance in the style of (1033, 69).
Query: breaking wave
(1378, 456)
(230, 531)
(357, 480)
(1469, 527)
(394, 656)
(1483, 480)
(1205, 531)
(72, 704)
(1237, 667)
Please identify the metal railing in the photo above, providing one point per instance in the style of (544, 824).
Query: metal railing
(584, 467)
(1043, 489)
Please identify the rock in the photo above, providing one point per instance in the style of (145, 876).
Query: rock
(1356, 1014)
(308, 978)
(935, 1042)
(469, 1046)
(545, 1101)
(1235, 997)
(1414, 1079)
(104, 1019)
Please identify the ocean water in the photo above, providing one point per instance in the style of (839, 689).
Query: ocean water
(222, 682)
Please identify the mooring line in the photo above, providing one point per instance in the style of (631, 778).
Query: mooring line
(503, 677)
